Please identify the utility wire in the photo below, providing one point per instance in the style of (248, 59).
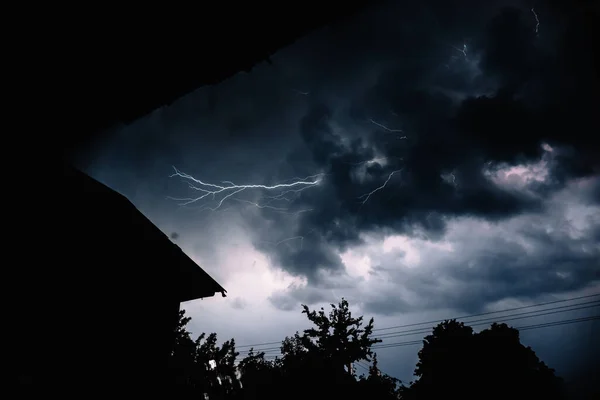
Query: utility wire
(520, 328)
(500, 319)
(463, 317)
(364, 368)
(413, 332)
(489, 312)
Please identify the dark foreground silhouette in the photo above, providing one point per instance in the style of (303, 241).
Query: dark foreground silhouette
(454, 362)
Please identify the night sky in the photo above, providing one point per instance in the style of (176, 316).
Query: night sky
(448, 165)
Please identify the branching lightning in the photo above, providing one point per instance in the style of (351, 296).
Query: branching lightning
(273, 208)
(228, 189)
(367, 196)
(287, 240)
(385, 128)
(301, 238)
(287, 195)
(291, 239)
(463, 50)
(537, 21)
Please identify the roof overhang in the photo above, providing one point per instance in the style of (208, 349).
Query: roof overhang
(189, 280)
(120, 67)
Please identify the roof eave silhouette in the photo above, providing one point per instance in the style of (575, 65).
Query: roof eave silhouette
(191, 281)
(146, 65)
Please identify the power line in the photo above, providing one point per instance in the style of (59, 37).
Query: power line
(530, 312)
(256, 351)
(485, 321)
(489, 312)
(521, 328)
(479, 322)
(259, 344)
(463, 317)
(364, 368)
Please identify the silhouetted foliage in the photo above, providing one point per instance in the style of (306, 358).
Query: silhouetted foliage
(201, 367)
(339, 337)
(317, 364)
(454, 361)
(378, 385)
(323, 355)
(259, 376)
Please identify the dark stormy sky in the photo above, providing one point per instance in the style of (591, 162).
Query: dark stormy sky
(450, 165)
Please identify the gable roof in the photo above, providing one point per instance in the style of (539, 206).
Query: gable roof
(190, 281)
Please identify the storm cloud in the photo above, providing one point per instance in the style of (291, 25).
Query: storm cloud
(478, 262)
(411, 119)
(455, 153)
(441, 119)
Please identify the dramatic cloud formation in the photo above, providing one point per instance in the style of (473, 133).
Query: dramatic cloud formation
(476, 262)
(453, 145)
(443, 132)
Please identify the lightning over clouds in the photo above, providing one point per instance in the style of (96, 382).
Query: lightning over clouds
(421, 157)
(442, 128)
(448, 163)
(462, 50)
(367, 196)
(226, 190)
(384, 127)
(537, 21)
(441, 167)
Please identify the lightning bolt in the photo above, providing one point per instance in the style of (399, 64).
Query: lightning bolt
(273, 208)
(463, 50)
(385, 128)
(286, 240)
(295, 194)
(537, 21)
(301, 238)
(289, 239)
(367, 196)
(228, 189)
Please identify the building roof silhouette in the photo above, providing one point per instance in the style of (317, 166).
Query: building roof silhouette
(191, 281)
(159, 63)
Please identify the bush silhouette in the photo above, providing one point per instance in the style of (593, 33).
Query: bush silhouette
(317, 364)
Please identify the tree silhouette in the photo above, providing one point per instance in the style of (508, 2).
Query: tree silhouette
(322, 356)
(339, 337)
(201, 367)
(445, 356)
(215, 366)
(506, 360)
(260, 378)
(377, 385)
(454, 361)
(182, 362)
